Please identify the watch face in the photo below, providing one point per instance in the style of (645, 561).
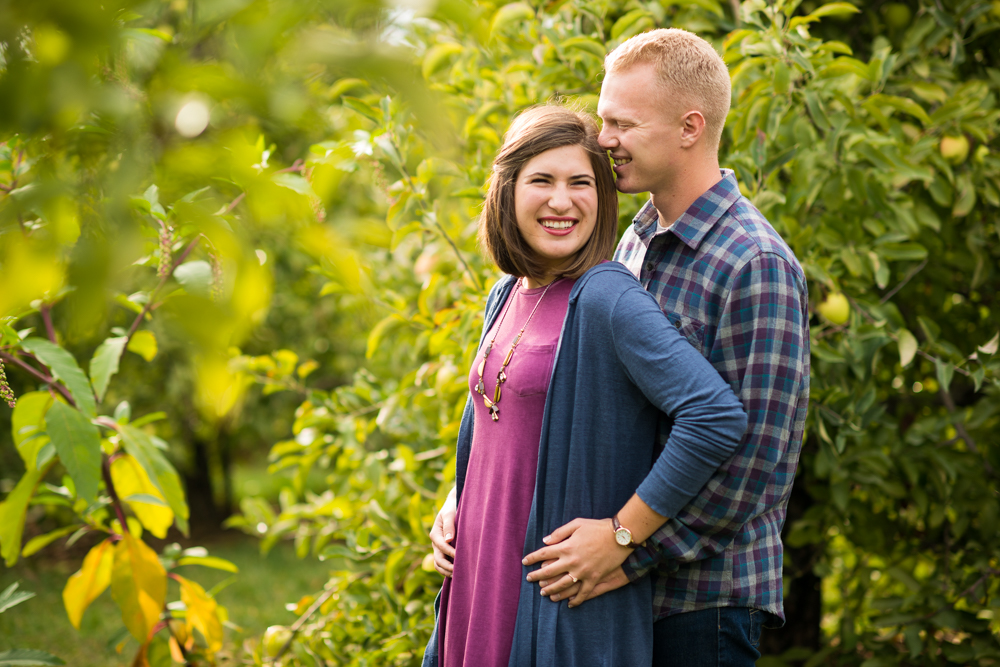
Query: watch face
(623, 536)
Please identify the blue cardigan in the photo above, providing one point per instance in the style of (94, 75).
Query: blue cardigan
(619, 363)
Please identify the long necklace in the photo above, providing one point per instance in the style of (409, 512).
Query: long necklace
(502, 374)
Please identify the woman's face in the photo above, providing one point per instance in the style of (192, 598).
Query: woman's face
(555, 198)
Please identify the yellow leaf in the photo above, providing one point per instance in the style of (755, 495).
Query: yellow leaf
(143, 343)
(202, 613)
(89, 582)
(138, 585)
(132, 484)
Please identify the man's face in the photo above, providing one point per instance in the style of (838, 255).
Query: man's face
(641, 130)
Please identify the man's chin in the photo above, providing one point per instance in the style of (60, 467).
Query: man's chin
(625, 186)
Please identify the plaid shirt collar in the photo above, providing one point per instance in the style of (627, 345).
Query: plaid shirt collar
(695, 223)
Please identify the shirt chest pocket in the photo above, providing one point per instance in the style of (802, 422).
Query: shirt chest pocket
(529, 369)
(692, 330)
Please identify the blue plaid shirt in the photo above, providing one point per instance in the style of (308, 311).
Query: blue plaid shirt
(734, 289)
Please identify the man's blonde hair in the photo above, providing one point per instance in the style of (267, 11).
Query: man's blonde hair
(687, 67)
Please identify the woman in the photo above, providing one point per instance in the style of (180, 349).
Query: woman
(575, 364)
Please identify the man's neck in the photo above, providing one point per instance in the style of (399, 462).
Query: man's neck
(686, 188)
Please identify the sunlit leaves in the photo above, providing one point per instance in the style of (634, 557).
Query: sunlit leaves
(160, 473)
(138, 585)
(12, 512)
(134, 487)
(143, 343)
(202, 613)
(93, 577)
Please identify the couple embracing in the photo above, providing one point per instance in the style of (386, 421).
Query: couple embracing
(630, 440)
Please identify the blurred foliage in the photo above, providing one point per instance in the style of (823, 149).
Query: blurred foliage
(355, 138)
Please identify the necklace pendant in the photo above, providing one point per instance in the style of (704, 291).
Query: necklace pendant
(488, 403)
(494, 412)
(496, 394)
(482, 367)
(502, 377)
(480, 387)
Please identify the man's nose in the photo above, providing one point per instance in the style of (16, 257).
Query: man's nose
(606, 138)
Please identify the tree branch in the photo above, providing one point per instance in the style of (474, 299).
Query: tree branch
(46, 311)
(115, 501)
(47, 379)
(909, 276)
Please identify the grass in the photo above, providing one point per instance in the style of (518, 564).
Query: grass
(255, 599)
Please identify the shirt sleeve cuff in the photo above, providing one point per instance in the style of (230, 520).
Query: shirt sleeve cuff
(640, 563)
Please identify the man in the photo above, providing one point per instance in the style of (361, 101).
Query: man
(734, 289)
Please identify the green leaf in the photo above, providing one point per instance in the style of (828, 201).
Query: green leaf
(12, 512)
(195, 277)
(438, 57)
(64, 368)
(11, 597)
(22, 657)
(903, 104)
(586, 44)
(28, 425)
(143, 343)
(293, 182)
(39, 542)
(944, 372)
(104, 364)
(78, 444)
(510, 14)
(907, 347)
(630, 24)
(209, 561)
(141, 446)
(835, 9)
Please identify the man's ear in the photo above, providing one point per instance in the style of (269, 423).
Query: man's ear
(692, 128)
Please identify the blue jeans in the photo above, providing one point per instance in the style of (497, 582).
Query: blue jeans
(723, 637)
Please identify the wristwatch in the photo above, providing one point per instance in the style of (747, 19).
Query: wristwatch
(623, 535)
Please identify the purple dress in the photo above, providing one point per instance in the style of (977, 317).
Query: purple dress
(479, 602)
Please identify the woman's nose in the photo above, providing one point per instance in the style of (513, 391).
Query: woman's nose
(560, 199)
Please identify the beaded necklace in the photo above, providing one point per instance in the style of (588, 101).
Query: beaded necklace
(502, 374)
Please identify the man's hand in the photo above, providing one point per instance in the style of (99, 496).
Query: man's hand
(442, 533)
(584, 550)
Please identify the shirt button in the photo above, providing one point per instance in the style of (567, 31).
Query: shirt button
(649, 266)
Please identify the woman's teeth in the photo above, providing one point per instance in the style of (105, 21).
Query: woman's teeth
(557, 224)
(619, 161)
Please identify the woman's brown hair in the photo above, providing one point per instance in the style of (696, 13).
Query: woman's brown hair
(534, 131)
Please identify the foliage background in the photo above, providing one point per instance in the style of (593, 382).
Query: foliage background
(337, 184)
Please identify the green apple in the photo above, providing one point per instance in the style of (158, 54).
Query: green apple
(897, 15)
(835, 308)
(275, 637)
(428, 563)
(954, 149)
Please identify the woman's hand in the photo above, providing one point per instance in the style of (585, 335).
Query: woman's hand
(584, 550)
(564, 588)
(442, 533)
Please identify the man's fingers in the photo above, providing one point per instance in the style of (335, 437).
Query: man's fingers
(562, 532)
(586, 587)
(568, 592)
